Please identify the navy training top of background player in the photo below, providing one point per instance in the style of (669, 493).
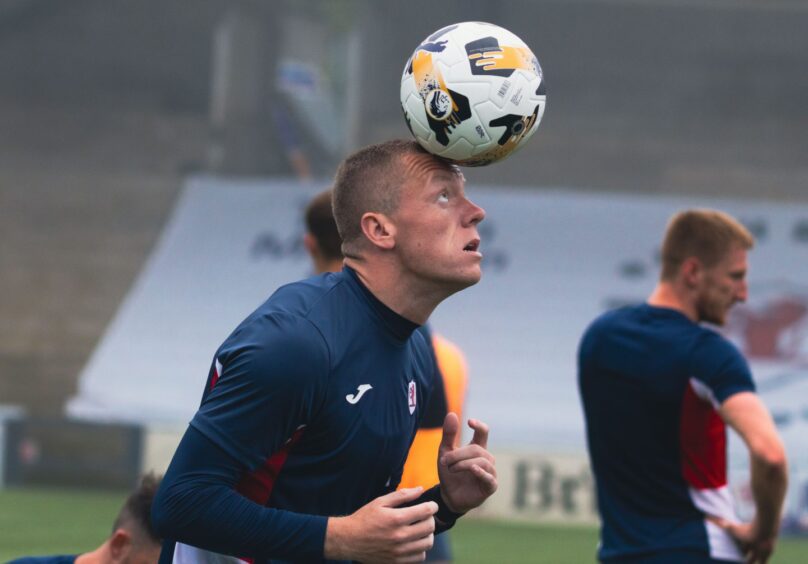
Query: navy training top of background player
(651, 381)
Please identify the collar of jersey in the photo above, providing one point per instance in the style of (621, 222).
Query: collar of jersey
(400, 327)
(665, 311)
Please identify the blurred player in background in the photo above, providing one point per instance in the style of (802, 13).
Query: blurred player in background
(323, 243)
(321, 238)
(658, 389)
(313, 401)
(133, 539)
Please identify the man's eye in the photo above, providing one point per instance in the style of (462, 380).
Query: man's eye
(444, 197)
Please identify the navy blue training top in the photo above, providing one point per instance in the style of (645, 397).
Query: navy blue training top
(317, 396)
(651, 381)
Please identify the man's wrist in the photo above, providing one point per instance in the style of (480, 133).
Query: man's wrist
(446, 505)
(766, 531)
(446, 515)
(335, 546)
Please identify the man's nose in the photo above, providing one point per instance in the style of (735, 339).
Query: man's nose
(743, 292)
(475, 214)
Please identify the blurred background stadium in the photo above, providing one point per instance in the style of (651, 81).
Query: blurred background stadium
(116, 115)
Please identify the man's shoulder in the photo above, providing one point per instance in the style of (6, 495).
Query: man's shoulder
(279, 324)
(712, 348)
(302, 296)
(711, 337)
(614, 318)
(648, 318)
(314, 313)
(294, 304)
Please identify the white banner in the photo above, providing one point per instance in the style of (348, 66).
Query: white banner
(554, 261)
(543, 488)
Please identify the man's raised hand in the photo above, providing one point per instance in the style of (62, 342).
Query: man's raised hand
(468, 475)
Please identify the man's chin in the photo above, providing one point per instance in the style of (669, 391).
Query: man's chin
(463, 281)
(473, 278)
(714, 319)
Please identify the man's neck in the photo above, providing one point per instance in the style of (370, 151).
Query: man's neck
(668, 296)
(327, 265)
(334, 265)
(100, 554)
(404, 296)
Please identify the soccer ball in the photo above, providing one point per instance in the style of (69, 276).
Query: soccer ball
(472, 93)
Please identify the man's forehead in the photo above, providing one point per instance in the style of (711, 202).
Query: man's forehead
(736, 258)
(425, 165)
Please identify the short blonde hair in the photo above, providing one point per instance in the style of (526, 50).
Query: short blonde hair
(369, 180)
(705, 234)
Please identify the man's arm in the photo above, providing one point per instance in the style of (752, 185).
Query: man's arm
(198, 504)
(747, 415)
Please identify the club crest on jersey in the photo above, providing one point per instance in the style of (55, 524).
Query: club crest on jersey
(411, 398)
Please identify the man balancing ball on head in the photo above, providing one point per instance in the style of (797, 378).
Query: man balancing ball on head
(323, 243)
(311, 404)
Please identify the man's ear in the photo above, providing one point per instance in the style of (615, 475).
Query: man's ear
(379, 230)
(120, 544)
(692, 271)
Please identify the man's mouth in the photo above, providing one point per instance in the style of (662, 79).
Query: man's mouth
(472, 246)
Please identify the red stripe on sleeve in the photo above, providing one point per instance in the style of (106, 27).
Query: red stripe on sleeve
(703, 443)
(257, 485)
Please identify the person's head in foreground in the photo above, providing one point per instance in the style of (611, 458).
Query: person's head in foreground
(404, 211)
(133, 539)
(704, 262)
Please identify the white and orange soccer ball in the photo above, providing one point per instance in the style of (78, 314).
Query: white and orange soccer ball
(472, 93)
